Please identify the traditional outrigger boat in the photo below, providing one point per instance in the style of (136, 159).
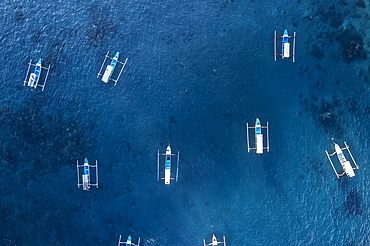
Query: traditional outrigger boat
(34, 79)
(214, 241)
(285, 46)
(110, 68)
(258, 137)
(167, 170)
(86, 175)
(346, 165)
(128, 242)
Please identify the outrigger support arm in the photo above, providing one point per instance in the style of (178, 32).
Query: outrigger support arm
(341, 174)
(332, 164)
(224, 241)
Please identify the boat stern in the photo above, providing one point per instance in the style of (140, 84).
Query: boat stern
(259, 144)
(286, 50)
(32, 81)
(107, 74)
(348, 169)
(167, 176)
(85, 182)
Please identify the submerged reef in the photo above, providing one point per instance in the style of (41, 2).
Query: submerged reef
(99, 26)
(56, 55)
(18, 14)
(36, 145)
(352, 46)
(31, 135)
(353, 203)
(316, 52)
(340, 23)
(325, 112)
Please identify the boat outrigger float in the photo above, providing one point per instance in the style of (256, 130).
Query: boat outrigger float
(347, 167)
(110, 68)
(34, 79)
(86, 175)
(259, 137)
(214, 241)
(167, 170)
(128, 242)
(285, 46)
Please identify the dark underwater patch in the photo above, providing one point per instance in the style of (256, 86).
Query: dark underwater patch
(19, 17)
(360, 4)
(36, 36)
(55, 55)
(31, 135)
(316, 52)
(351, 45)
(353, 203)
(35, 145)
(100, 26)
(332, 14)
(326, 113)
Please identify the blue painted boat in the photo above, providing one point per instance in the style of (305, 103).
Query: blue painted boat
(128, 242)
(35, 76)
(286, 45)
(86, 175)
(167, 171)
(110, 68)
(259, 137)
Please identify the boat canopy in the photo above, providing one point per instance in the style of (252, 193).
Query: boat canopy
(259, 144)
(107, 74)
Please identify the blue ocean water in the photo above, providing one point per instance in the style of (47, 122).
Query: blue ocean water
(191, 66)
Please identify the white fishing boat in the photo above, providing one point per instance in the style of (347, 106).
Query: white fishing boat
(128, 242)
(259, 146)
(167, 168)
(110, 68)
(34, 78)
(285, 46)
(214, 241)
(86, 184)
(346, 165)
